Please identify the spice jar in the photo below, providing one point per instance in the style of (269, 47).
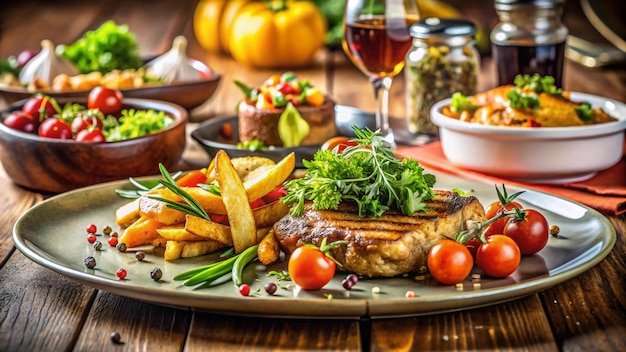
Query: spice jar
(530, 39)
(441, 62)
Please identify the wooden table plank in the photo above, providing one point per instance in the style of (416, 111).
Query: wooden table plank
(136, 322)
(226, 333)
(13, 202)
(42, 310)
(588, 313)
(505, 326)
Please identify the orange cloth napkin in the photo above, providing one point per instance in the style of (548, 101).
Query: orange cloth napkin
(605, 192)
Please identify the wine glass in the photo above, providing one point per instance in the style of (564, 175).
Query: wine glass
(376, 39)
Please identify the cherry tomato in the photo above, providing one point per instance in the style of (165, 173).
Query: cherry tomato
(338, 143)
(108, 101)
(472, 246)
(21, 121)
(310, 268)
(530, 233)
(449, 262)
(275, 194)
(192, 179)
(80, 123)
(499, 256)
(494, 209)
(40, 107)
(55, 128)
(90, 135)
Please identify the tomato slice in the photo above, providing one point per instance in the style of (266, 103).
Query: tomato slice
(192, 179)
(275, 194)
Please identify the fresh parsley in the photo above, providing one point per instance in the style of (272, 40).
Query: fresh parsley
(368, 174)
(584, 112)
(460, 103)
(136, 123)
(521, 100)
(537, 83)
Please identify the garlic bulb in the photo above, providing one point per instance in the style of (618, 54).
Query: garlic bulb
(174, 65)
(46, 65)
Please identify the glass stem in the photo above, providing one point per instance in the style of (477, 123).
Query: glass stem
(381, 87)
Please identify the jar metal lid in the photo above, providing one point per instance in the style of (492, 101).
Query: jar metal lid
(543, 4)
(445, 28)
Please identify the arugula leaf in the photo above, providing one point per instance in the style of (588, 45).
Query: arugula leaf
(520, 100)
(538, 84)
(584, 112)
(460, 102)
(369, 174)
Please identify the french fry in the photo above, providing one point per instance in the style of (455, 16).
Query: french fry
(244, 165)
(268, 214)
(127, 213)
(240, 216)
(263, 184)
(178, 233)
(188, 249)
(159, 211)
(269, 249)
(209, 230)
(142, 231)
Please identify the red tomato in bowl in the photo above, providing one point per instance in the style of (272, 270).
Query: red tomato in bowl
(108, 101)
(39, 107)
(21, 121)
(90, 135)
(55, 128)
(80, 123)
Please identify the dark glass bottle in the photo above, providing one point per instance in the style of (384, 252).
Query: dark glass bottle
(530, 38)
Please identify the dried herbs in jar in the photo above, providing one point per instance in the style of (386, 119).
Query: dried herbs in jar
(443, 61)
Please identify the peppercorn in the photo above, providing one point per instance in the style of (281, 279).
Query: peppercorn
(270, 288)
(106, 229)
(140, 255)
(90, 262)
(114, 234)
(115, 337)
(156, 274)
(554, 230)
(121, 247)
(97, 245)
(112, 241)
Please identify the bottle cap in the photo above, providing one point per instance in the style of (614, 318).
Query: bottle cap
(439, 27)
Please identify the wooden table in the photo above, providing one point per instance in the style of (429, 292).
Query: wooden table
(41, 310)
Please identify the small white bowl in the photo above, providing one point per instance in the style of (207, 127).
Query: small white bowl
(538, 155)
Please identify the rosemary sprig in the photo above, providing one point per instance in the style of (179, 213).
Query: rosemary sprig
(143, 187)
(192, 207)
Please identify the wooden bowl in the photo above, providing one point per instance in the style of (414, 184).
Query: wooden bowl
(53, 165)
(189, 95)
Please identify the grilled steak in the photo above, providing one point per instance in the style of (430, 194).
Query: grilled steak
(390, 245)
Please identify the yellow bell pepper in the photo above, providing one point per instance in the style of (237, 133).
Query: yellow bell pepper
(212, 20)
(277, 34)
